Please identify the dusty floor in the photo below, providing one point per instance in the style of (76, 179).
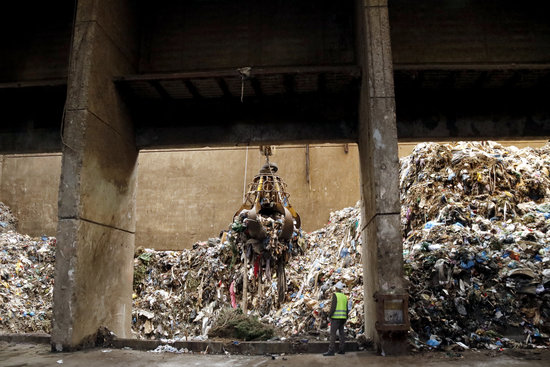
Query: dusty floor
(19, 355)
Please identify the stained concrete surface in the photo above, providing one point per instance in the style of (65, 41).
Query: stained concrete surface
(12, 355)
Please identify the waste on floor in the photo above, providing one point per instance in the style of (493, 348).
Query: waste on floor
(476, 246)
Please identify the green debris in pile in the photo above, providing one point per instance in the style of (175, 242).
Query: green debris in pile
(232, 323)
(141, 268)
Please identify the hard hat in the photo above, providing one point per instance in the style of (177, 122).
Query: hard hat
(339, 285)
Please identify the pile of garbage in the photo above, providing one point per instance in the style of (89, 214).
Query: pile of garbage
(179, 294)
(476, 225)
(332, 255)
(476, 222)
(8, 222)
(476, 243)
(26, 278)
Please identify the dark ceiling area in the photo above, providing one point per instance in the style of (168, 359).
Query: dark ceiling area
(214, 72)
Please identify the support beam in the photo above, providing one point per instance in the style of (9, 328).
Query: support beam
(192, 89)
(224, 88)
(472, 66)
(382, 243)
(351, 70)
(93, 274)
(160, 90)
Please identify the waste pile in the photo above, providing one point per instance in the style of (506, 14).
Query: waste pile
(476, 222)
(8, 222)
(26, 279)
(176, 293)
(179, 294)
(476, 243)
(475, 219)
(332, 254)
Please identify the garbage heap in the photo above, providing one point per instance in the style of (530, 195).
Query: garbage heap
(8, 222)
(476, 221)
(26, 278)
(476, 226)
(178, 294)
(332, 254)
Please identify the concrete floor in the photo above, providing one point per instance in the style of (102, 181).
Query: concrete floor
(19, 355)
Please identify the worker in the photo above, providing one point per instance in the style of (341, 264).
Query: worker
(338, 315)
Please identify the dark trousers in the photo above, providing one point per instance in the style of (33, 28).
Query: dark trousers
(337, 324)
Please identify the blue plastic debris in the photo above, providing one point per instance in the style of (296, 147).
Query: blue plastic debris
(344, 252)
(433, 342)
(482, 257)
(431, 224)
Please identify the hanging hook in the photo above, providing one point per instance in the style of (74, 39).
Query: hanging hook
(245, 74)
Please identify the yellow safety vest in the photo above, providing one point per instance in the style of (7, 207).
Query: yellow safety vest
(341, 311)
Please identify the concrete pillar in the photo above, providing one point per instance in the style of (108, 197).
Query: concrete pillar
(93, 276)
(378, 154)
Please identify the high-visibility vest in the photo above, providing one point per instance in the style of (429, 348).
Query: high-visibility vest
(341, 311)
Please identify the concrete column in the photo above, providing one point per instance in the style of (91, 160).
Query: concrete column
(378, 153)
(93, 276)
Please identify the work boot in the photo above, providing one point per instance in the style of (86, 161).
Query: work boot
(341, 352)
(327, 354)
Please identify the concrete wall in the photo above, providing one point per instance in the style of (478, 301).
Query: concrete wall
(29, 186)
(191, 35)
(469, 31)
(184, 196)
(190, 195)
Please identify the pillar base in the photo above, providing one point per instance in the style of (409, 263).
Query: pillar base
(393, 343)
